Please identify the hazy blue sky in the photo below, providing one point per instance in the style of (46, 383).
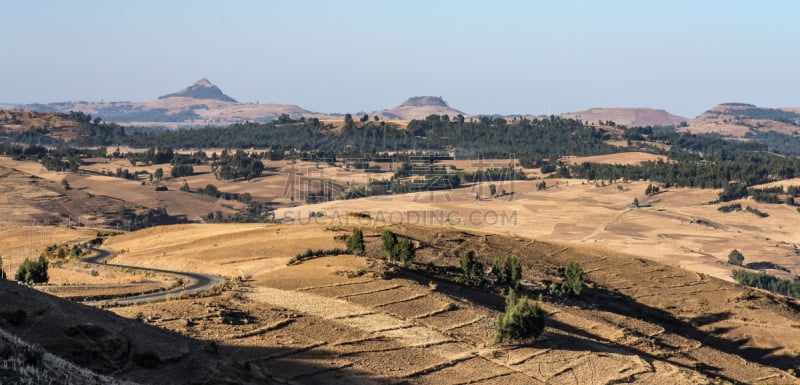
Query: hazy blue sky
(348, 56)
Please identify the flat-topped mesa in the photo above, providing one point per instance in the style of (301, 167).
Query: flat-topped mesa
(422, 101)
(201, 89)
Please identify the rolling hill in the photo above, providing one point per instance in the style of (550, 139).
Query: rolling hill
(631, 117)
(740, 119)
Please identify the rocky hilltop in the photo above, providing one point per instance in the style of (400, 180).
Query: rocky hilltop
(201, 89)
(419, 107)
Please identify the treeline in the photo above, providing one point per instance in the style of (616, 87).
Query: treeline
(768, 282)
(703, 161)
(493, 137)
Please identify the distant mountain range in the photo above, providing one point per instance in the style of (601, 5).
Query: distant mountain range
(203, 103)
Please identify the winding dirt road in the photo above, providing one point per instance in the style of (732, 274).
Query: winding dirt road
(197, 282)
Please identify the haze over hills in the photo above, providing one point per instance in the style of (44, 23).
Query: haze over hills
(200, 104)
(205, 104)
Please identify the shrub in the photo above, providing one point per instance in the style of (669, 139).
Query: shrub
(162, 188)
(522, 320)
(507, 272)
(730, 207)
(573, 278)
(355, 242)
(308, 254)
(756, 212)
(735, 258)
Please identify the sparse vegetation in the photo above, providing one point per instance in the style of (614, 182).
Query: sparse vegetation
(730, 208)
(756, 212)
(309, 254)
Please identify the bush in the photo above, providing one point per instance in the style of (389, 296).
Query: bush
(735, 258)
(355, 242)
(573, 278)
(162, 188)
(756, 212)
(522, 320)
(730, 207)
(308, 254)
(32, 272)
(507, 272)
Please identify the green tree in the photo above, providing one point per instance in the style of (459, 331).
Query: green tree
(573, 278)
(507, 272)
(388, 240)
(185, 187)
(735, 258)
(470, 265)
(522, 320)
(158, 174)
(355, 242)
(492, 189)
(32, 272)
(364, 118)
(404, 251)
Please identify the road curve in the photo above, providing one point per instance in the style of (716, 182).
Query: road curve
(197, 282)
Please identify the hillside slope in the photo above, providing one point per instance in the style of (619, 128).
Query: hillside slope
(631, 117)
(739, 119)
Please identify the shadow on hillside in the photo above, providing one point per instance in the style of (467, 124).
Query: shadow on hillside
(625, 305)
(125, 349)
(559, 335)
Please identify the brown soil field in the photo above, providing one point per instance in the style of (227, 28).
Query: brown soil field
(349, 318)
(630, 158)
(679, 228)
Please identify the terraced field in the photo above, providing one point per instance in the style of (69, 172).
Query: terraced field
(348, 319)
